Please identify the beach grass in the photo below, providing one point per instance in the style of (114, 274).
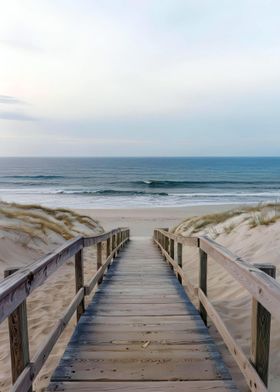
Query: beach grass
(263, 214)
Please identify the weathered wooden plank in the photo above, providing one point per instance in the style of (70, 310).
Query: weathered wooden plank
(191, 241)
(18, 334)
(79, 278)
(161, 369)
(135, 289)
(153, 348)
(89, 241)
(136, 320)
(167, 386)
(260, 331)
(23, 383)
(140, 338)
(140, 284)
(189, 326)
(180, 260)
(146, 354)
(203, 282)
(204, 367)
(179, 308)
(134, 351)
(135, 275)
(142, 310)
(134, 299)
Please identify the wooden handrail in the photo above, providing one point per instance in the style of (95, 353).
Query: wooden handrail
(262, 287)
(95, 279)
(265, 291)
(17, 286)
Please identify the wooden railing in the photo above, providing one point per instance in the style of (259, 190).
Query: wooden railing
(19, 284)
(257, 279)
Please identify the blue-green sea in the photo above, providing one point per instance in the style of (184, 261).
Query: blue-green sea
(139, 182)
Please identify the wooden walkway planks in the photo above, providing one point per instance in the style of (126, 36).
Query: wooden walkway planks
(141, 333)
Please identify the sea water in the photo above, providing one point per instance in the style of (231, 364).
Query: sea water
(139, 182)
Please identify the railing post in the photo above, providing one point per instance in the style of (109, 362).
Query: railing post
(108, 249)
(18, 332)
(113, 244)
(117, 243)
(79, 278)
(155, 235)
(260, 324)
(172, 248)
(180, 258)
(99, 258)
(166, 244)
(203, 282)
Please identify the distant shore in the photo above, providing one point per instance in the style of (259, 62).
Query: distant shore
(142, 221)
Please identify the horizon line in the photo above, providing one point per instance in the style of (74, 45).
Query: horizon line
(136, 156)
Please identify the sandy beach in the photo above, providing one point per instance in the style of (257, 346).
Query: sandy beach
(142, 221)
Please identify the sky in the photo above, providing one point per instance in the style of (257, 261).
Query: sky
(139, 77)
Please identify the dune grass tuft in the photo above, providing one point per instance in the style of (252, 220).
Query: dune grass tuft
(257, 215)
(34, 222)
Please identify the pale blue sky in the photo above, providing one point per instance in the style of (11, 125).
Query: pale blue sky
(139, 77)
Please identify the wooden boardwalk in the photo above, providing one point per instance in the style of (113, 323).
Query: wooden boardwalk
(141, 333)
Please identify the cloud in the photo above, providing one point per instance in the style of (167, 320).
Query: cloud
(10, 100)
(20, 44)
(13, 114)
(17, 116)
(116, 71)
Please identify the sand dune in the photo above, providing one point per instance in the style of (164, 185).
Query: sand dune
(26, 233)
(254, 234)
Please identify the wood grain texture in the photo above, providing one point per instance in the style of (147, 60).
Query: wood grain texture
(141, 326)
(203, 282)
(18, 333)
(79, 279)
(260, 330)
(191, 241)
(170, 386)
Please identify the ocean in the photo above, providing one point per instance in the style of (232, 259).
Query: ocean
(139, 182)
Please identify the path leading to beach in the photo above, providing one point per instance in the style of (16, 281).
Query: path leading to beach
(141, 328)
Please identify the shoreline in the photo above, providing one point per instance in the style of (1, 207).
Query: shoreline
(142, 221)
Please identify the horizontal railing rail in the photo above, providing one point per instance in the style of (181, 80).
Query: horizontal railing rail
(19, 284)
(258, 280)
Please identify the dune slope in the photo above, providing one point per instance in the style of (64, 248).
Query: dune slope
(26, 233)
(254, 234)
